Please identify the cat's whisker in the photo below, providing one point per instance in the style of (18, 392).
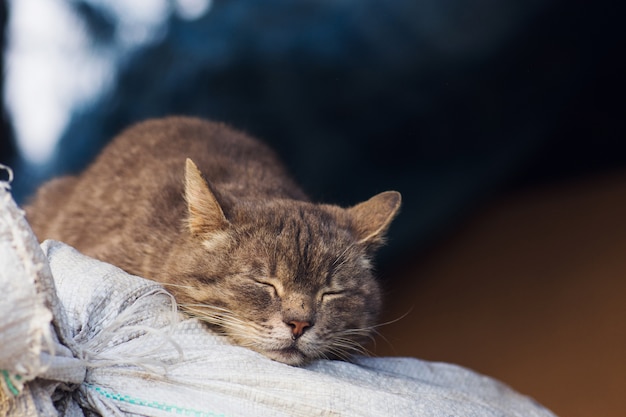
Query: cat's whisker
(362, 331)
(340, 352)
(379, 335)
(206, 313)
(340, 256)
(368, 334)
(357, 334)
(392, 321)
(348, 344)
(205, 306)
(171, 284)
(234, 329)
(244, 332)
(376, 334)
(373, 334)
(372, 337)
(346, 340)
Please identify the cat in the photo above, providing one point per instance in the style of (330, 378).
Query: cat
(212, 214)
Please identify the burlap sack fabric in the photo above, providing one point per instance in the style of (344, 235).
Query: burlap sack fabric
(79, 337)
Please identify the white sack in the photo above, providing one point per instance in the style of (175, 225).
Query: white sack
(117, 347)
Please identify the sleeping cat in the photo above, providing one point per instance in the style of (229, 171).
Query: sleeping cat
(212, 214)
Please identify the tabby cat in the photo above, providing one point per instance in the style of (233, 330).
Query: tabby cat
(211, 213)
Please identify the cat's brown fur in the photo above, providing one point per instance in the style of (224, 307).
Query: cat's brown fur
(246, 250)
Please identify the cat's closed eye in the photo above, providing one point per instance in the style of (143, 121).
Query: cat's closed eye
(330, 295)
(268, 286)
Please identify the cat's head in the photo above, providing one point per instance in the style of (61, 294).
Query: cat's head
(289, 279)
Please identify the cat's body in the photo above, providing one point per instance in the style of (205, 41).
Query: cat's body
(246, 251)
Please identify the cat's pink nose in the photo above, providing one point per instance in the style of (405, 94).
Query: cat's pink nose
(298, 327)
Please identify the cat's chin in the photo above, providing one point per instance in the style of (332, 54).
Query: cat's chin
(291, 356)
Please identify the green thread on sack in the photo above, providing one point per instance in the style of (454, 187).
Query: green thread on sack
(153, 404)
(7, 380)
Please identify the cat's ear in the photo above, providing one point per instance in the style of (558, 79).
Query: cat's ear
(372, 218)
(205, 214)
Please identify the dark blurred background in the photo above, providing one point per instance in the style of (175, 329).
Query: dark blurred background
(447, 101)
(453, 103)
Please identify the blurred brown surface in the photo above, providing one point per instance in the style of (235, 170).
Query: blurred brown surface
(532, 291)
